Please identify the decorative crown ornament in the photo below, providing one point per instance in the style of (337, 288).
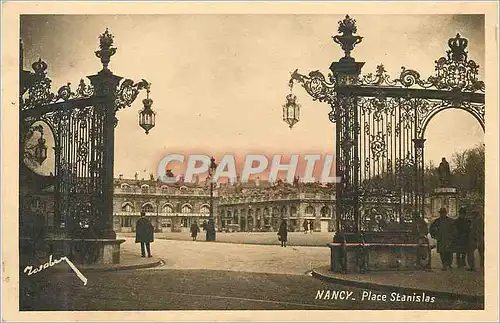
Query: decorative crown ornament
(347, 40)
(39, 67)
(457, 48)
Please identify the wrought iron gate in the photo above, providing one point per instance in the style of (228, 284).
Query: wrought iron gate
(380, 127)
(82, 123)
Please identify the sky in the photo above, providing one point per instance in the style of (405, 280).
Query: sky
(219, 81)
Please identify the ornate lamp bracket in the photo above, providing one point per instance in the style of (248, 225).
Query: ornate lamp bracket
(128, 92)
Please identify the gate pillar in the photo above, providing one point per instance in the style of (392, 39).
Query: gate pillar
(105, 86)
(345, 113)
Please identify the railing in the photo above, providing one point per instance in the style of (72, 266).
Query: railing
(163, 214)
(159, 191)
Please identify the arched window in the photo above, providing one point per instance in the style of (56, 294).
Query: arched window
(293, 211)
(127, 207)
(283, 211)
(275, 212)
(205, 209)
(144, 188)
(168, 208)
(186, 208)
(325, 212)
(309, 210)
(125, 186)
(148, 208)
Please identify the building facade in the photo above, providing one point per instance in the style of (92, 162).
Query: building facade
(171, 208)
(261, 207)
(255, 206)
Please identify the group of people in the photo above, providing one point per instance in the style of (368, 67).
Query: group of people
(208, 227)
(461, 236)
(308, 226)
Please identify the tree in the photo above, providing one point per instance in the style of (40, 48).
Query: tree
(469, 177)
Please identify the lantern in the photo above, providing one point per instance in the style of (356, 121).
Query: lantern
(147, 115)
(41, 151)
(291, 110)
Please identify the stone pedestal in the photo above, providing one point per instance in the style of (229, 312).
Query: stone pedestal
(378, 251)
(444, 197)
(79, 251)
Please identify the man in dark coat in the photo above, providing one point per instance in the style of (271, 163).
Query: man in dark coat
(194, 230)
(283, 233)
(311, 226)
(144, 233)
(443, 229)
(461, 243)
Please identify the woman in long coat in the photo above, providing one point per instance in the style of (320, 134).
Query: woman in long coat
(194, 230)
(144, 233)
(283, 233)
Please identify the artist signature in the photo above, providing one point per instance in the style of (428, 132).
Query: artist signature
(52, 262)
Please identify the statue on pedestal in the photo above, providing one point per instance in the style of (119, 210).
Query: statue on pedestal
(444, 173)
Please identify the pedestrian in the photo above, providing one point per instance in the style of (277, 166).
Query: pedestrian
(210, 230)
(443, 229)
(305, 225)
(311, 226)
(461, 241)
(476, 240)
(283, 233)
(195, 229)
(144, 233)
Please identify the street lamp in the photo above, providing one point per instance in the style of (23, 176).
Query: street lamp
(211, 170)
(291, 109)
(147, 115)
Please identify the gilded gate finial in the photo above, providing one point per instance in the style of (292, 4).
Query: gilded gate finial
(106, 51)
(347, 40)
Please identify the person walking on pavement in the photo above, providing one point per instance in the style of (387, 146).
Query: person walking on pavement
(305, 225)
(195, 229)
(144, 233)
(210, 230)
(461, 244)
(311, 226)
(283, 233)
(444, 230)
(476, 241)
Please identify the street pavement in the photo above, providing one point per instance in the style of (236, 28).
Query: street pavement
(234, 257)
(265, 238)
(208, 276)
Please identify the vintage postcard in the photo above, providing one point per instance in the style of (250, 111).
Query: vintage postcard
(270, 161)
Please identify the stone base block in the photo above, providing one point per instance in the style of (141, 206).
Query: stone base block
(79, 251)
(380, 257)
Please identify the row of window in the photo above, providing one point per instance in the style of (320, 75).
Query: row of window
(310, 210)
(166, 189)
(167, 208)
(167, 223)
